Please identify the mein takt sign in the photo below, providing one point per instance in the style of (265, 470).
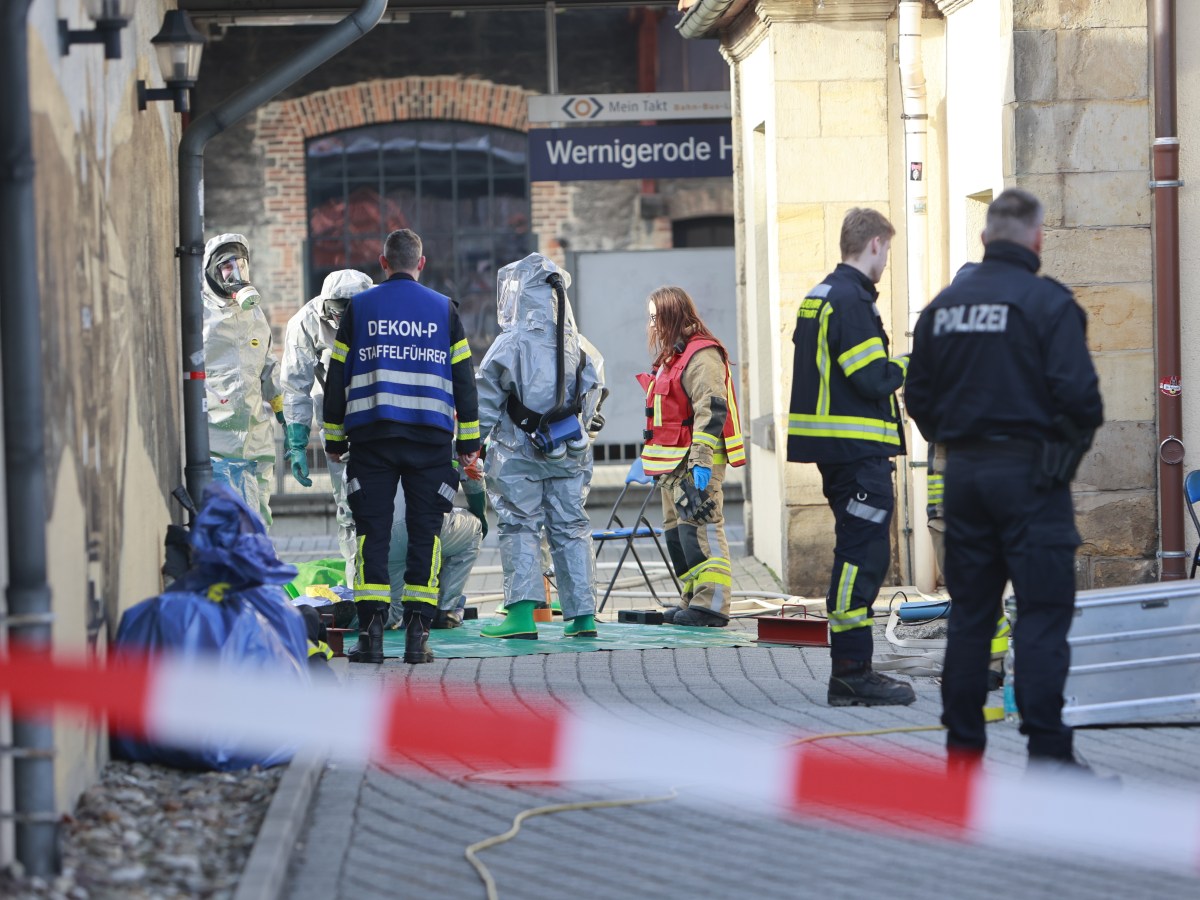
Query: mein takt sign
(638, 151)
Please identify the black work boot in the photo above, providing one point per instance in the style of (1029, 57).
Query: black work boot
(371, 616)
(416, 637)
(695, 616)
(863, 686)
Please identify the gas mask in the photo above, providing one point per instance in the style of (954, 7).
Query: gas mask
(333, 308)
(228, 274)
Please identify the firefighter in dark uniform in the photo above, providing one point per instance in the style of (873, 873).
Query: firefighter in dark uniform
(399, 390)
(1000, 373)
(843, 417)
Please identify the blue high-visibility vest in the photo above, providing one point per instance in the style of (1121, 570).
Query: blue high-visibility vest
(398, 366)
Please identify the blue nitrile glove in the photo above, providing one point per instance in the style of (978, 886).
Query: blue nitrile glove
(295, 447)
(700, 476)
(477, 504)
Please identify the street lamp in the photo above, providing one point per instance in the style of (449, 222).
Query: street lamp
(178, 45)
(110, 17)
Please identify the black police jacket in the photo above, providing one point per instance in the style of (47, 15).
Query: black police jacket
(1002, 352)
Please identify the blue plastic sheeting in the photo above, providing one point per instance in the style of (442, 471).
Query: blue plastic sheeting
(466, 641)
(230, 605)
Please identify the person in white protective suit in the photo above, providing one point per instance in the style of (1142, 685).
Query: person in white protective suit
(536, 389)
(463, 530)
(240, 381)
(307, 346)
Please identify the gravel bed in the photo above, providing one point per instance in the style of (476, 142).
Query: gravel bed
(147, 831)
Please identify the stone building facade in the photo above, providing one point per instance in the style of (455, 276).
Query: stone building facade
(1050, 96)
(105, 189)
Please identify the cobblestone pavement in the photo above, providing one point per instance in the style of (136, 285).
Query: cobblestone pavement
(378, 832)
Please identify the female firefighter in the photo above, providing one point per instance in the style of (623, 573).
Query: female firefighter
(692, 432)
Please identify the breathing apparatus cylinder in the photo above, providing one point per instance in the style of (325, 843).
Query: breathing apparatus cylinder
(559, 431)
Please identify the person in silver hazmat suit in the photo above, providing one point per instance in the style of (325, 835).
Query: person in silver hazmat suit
(240, 382)
(307, 346)
(536, 389)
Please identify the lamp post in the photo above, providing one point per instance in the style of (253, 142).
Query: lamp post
(178, 45)
(110, 16)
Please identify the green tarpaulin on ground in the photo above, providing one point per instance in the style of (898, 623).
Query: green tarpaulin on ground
(466, 642)
(316, 572)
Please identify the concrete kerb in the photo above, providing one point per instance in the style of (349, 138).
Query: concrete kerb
(265, 874)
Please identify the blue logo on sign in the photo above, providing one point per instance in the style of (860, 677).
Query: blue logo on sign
(582, 108)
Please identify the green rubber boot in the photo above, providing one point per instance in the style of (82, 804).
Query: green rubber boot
(555, 608)
(580, 626)
(518, 622)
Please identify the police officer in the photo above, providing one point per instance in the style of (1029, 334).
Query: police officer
(1000, 373)
(399, 374)
(844, 419)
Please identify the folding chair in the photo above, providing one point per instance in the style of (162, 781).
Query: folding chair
(641, 529)
(1191, 493)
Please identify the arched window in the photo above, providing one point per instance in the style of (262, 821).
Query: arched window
(463, 188)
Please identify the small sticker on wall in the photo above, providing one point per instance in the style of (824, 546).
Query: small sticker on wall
(915, 170)
(1171, 387)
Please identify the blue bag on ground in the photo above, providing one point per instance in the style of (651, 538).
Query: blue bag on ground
(230, 605)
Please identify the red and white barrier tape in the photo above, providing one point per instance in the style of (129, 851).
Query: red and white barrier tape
(194, 703)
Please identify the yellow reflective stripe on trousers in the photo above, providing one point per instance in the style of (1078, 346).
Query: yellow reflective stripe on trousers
(861, 355)
(714, 570)
(935, 488)
(845, 588)
(850, 427)
(320, 648)
(375, 593)
(823, 362)
(1000, 638)
(851, 618)
(339, 352)
(427, 593)
(460, 351)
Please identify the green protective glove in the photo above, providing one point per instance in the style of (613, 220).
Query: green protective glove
(477, 504)
(279, 417)
(295, 445)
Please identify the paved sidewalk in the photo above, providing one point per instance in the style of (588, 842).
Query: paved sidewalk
(398, 833)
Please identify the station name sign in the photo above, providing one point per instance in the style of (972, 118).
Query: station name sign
(578, 109)
(638, 151)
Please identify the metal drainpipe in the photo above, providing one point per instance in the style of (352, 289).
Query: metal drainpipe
(198, 465)
(28, 612)
(913, 112)
(1165, 185)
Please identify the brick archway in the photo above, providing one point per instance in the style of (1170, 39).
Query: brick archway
(283, 127)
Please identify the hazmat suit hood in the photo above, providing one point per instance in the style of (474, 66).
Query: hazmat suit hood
(522, 360)
(524, 298)
(338, 288)
(234, 289)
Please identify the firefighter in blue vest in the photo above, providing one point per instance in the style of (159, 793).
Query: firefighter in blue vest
(843, 417)
(399, 377)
